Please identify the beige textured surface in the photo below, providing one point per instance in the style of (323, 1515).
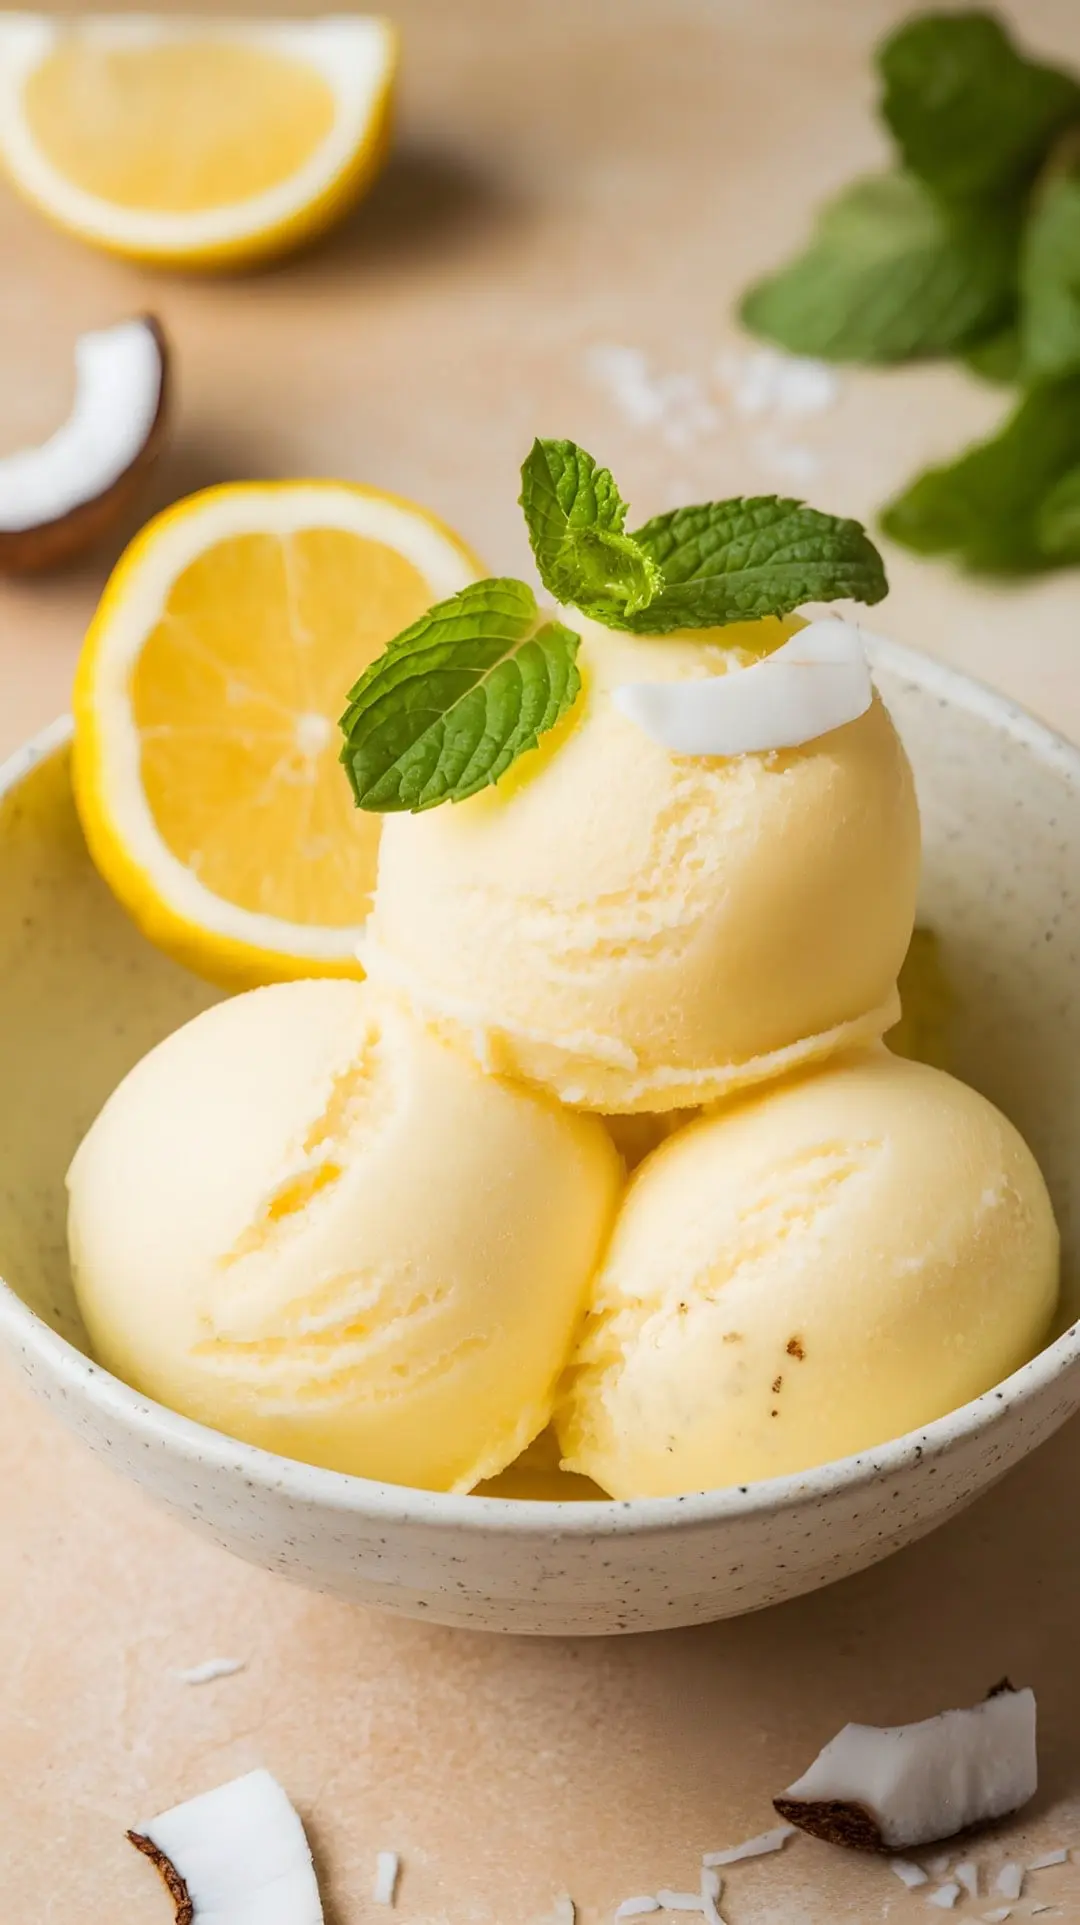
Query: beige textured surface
(567, 176)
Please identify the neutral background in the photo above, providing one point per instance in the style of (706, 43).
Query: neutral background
(570, 174)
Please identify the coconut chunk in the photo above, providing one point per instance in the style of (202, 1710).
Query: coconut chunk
(387, 1873)
(945, 1897)
(210, 1670)
(759, 1847)
(910, 1875)
(60, 497)
(816, 682)
(894, 1788)
(967, 1875)
(998, 1916)
(235, 1856)
(1010, 1881)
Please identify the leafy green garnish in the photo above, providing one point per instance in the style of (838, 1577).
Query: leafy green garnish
(734, 561)
(1050, 282)
(971, 248)
(890, 274)
(575, 516)
(970, 114)
(1002, 507)
(456, 698)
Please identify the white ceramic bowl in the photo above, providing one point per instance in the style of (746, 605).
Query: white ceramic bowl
(82, 996)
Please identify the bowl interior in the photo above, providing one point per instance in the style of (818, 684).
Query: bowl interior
(83, 996)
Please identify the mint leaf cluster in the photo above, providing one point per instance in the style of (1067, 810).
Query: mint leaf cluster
(970, 247)
(454, 700)
(575, 516)
(726, 561)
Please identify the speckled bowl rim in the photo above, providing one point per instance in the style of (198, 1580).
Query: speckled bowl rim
(337, 1492)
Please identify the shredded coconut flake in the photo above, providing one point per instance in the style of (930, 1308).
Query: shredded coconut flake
(967, 1875)
(676, 405)
(1057, 1857)
(387, 1873)
(637, 1907)
(910, 1875)
(212, 1668)
(1010, 1881)
(712, 1889)
(1036, 1909)
(792, 459)
(939, 1864)
(766, 1841)
(563, 1912)
(997, 1918)
(945, 1897)
(679, 1901)
(765, 382)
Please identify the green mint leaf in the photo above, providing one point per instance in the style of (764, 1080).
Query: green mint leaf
(456, 698)
(1050, 281)
(734, 561)
(890, 274)
(986, 509)
(970, 114)
(1057, 523)
(996, 357)
(575, 517)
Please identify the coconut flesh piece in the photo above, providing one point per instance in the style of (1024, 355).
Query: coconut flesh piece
(235, 1856)
(816, 682)
(60, 497)
(892, 1789)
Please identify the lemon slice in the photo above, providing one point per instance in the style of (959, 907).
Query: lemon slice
(206, 703)
(194, 142)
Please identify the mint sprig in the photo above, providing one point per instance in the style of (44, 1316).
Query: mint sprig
(971, 115)
(735, 561)
(456, 698)
(575, 516)
(971, 248)
(890, 274)
(1008, 505)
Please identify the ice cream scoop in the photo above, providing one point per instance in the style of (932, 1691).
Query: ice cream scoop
(827, 1264)
(303, 1221)
(637, 930)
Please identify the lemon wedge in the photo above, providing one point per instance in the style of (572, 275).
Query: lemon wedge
(199, 143)
(206, 704)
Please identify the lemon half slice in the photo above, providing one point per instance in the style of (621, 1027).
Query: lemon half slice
(206, 704)
(198, 143)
